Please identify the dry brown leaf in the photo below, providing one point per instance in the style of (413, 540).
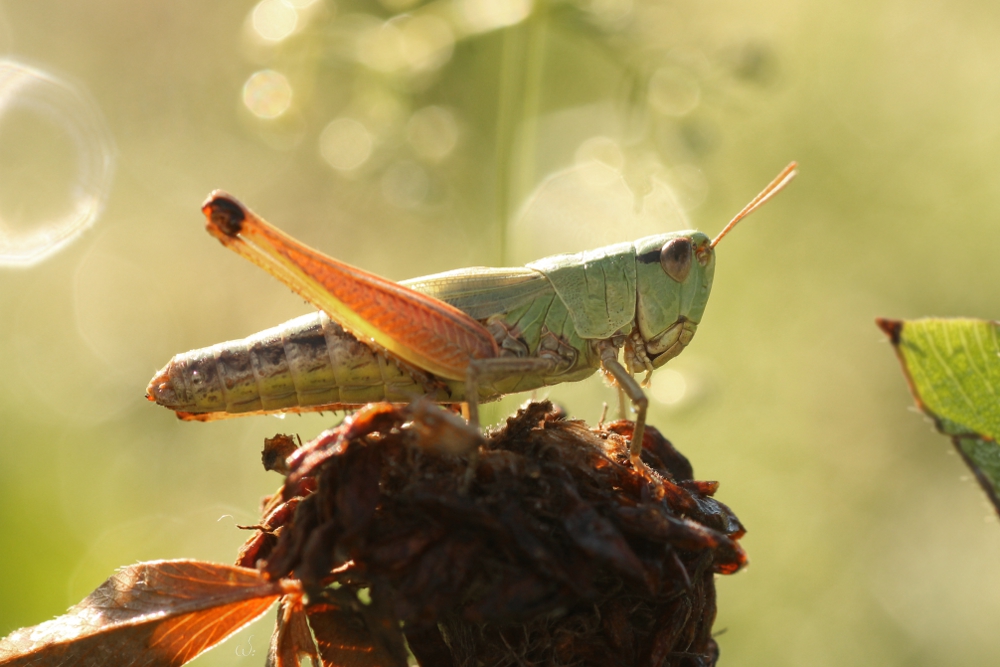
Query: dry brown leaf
(159, 613)
(291, 639)
(346, 640)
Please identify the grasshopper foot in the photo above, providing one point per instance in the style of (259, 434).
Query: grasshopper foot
(640, 467)
(470, 473)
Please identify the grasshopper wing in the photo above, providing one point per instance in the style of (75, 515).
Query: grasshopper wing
(418, 328)
(480, 291)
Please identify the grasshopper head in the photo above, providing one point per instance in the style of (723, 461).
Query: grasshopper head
(673, 280)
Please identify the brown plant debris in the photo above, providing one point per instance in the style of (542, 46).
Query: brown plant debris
(404, 528)
(550, 551)
(154, 614)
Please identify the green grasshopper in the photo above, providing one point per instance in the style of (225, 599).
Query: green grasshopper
(464, 336)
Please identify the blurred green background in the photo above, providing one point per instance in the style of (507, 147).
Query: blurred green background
(411, 138)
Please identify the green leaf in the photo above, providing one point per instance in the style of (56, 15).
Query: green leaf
(953, 368)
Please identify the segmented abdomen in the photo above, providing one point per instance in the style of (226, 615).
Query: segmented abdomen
(308, 363)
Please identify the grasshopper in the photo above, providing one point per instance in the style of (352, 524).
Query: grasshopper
(465, 336)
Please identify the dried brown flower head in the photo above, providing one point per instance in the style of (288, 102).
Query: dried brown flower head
(557, 553)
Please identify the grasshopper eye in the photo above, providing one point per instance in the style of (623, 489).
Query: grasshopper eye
(675, 258)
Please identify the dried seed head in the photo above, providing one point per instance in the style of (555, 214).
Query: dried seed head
(559, 552)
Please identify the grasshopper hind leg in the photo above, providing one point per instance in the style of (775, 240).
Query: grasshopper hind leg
(498, 368)
(492, 369)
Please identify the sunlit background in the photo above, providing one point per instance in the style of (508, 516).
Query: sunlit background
(413, 137)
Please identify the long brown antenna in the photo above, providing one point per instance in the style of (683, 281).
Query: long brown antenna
(773, 188)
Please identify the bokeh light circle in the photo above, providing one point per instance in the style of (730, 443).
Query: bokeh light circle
(486, 15)
(592, 204)
(610, 12)
(601, 159)
(274, 20)
(38, 107)
(432, 132)
(674, 91)
(345, 144)
(669, 386)
(405, 184)
(267, 94)
(428, 42)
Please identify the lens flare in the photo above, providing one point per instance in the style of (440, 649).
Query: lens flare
(56, 164)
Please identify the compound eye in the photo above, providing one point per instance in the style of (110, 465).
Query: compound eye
(675, 258)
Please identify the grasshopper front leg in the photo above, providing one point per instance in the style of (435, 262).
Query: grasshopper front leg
(627, 383)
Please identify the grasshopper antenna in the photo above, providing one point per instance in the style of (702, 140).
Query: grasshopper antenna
(773, 188)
